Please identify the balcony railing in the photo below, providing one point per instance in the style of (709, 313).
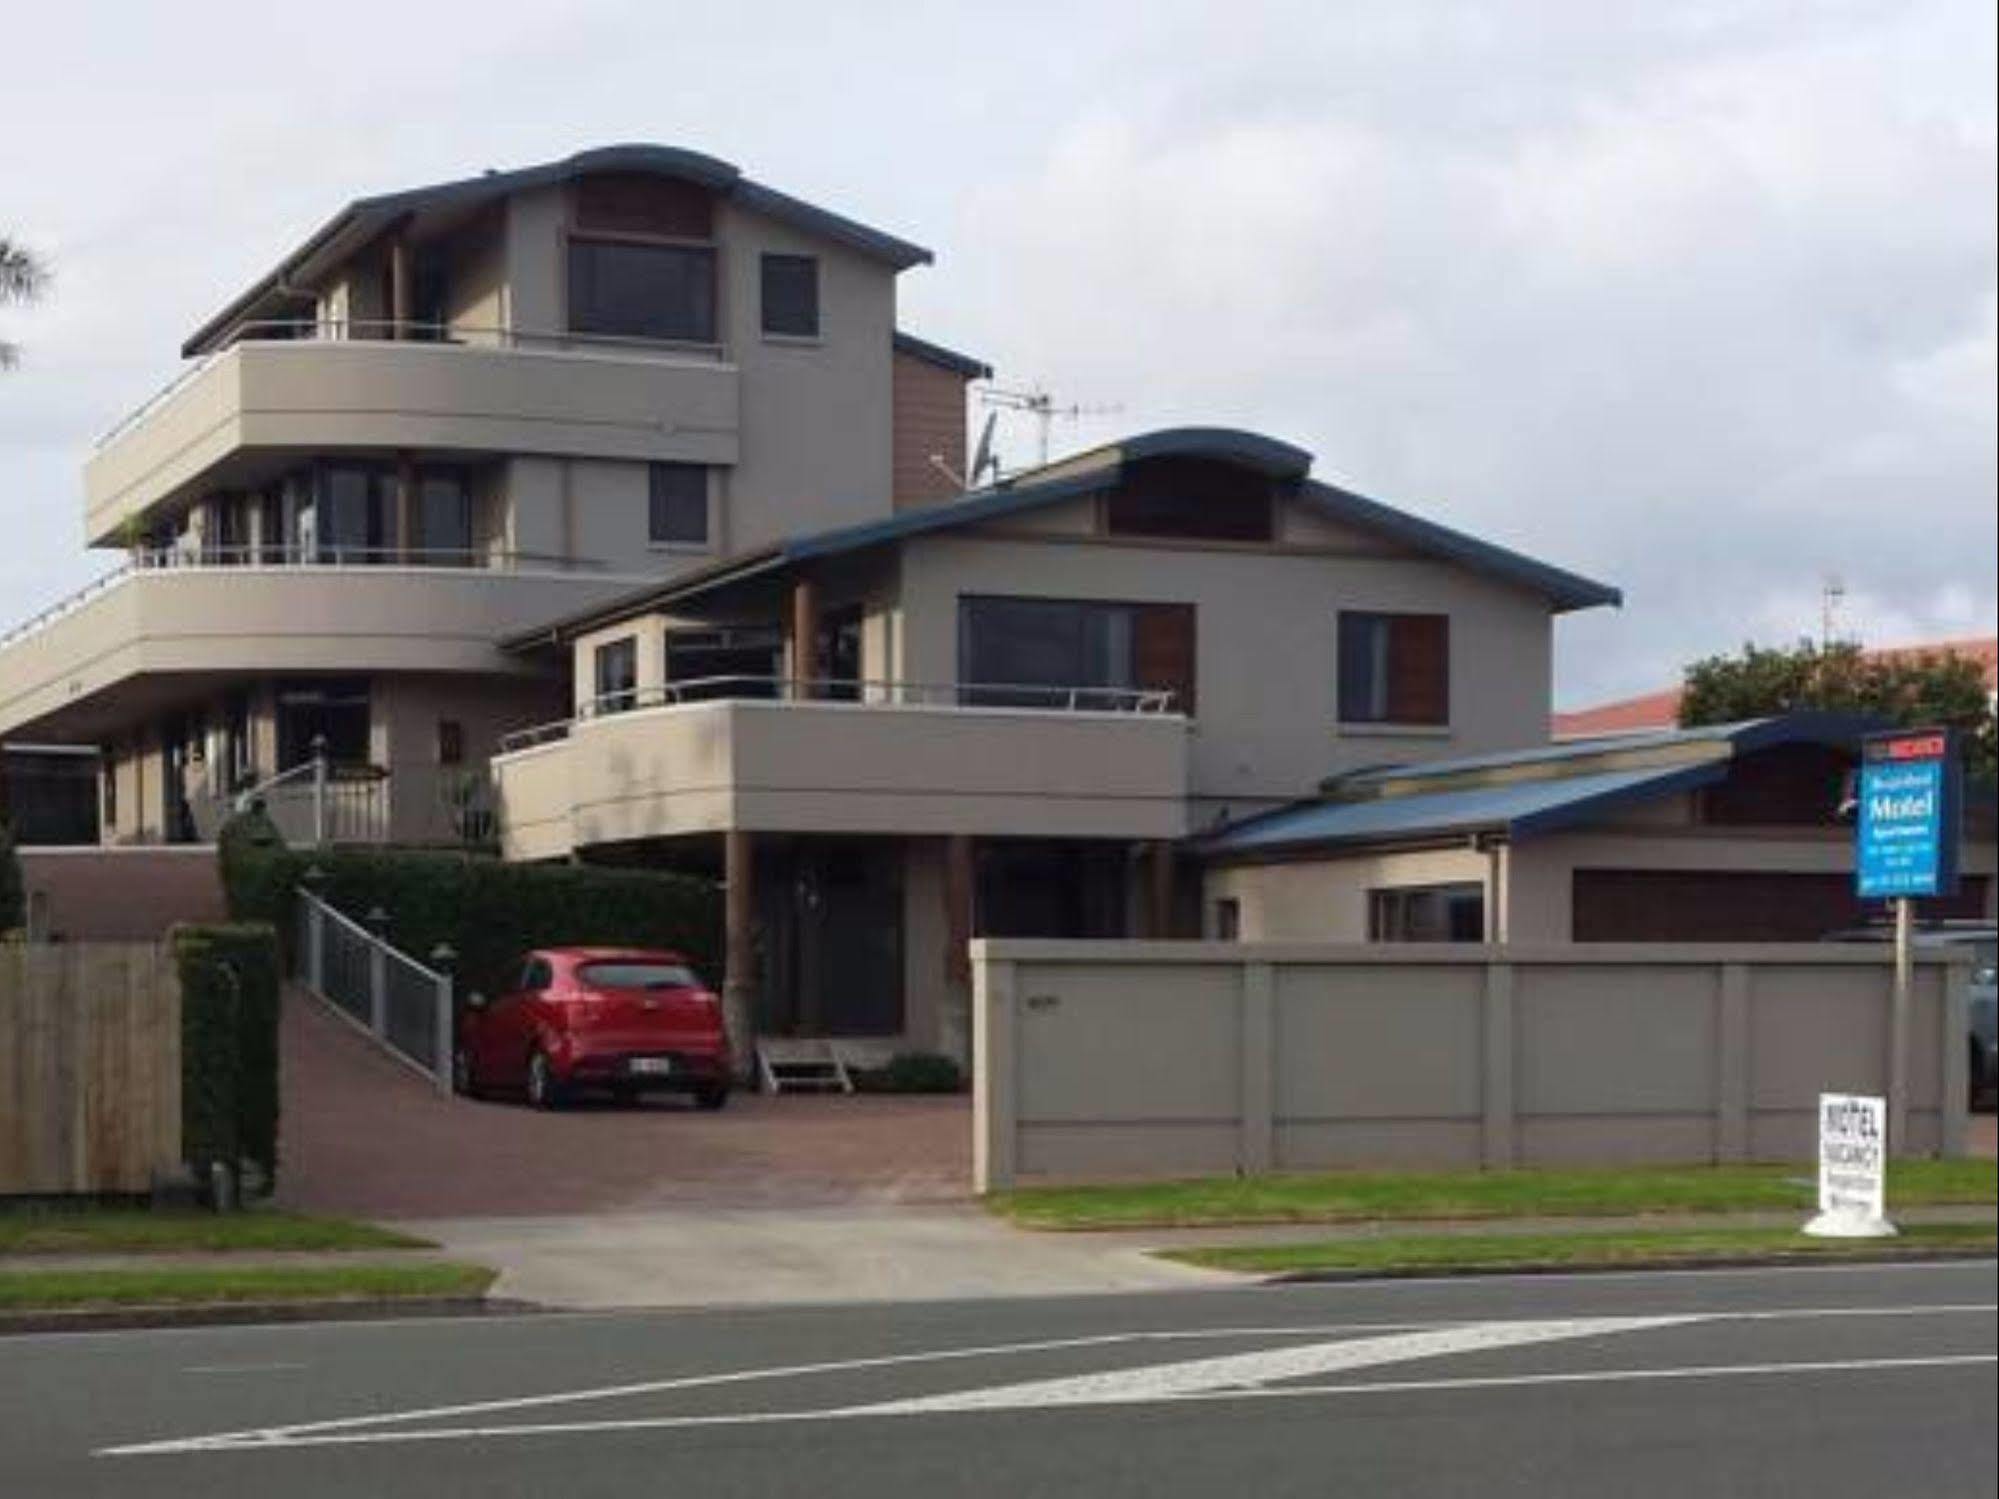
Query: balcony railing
(265, 558)
(386, 330)
(856, 692)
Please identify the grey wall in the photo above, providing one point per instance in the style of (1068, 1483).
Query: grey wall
(1135, 1059)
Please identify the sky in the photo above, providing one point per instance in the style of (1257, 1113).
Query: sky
(1694, 298)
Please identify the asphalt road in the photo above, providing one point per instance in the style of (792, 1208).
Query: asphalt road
(1828, 1381)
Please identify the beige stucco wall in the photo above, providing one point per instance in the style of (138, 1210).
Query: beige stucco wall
(1112, 1059)
(1267, 666)
(1326, 901)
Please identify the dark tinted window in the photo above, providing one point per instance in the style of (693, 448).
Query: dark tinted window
(443, 518)
(678, 504)
(1394, 668)
(642, 291)
(625, 975)
(537, 975)
(1062, 644)
(791, 295)
(1428, 913)
(1191, 498)
(617, 675)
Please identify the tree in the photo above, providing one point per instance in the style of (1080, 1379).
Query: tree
(1913, 689)
(23, 278)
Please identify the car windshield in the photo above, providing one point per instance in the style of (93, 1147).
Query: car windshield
(634, 974)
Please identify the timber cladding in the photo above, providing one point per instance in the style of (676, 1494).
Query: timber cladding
(90, 1067)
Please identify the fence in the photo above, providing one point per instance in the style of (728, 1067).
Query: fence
(1132, 1059)
(404, 1005)
(90, 1067)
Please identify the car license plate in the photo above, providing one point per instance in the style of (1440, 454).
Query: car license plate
(651, 1066)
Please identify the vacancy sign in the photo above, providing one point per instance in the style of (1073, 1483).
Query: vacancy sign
(1908, 818)
(1853, 1168)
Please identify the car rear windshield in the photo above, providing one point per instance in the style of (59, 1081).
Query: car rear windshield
(639, 976)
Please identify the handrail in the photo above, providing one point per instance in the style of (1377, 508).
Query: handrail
(858, 692)
(406, 330)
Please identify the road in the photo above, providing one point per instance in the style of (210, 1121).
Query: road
(1828, 1381)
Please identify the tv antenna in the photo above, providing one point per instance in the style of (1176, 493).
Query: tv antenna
(1040, 405)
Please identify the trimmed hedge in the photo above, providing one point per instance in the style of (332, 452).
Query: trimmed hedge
(491, 913)
(229, 985)
(913, 1072)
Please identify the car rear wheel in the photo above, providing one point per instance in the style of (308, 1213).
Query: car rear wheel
(544, 1092)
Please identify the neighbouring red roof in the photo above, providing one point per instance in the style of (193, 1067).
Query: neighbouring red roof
(1661, 710)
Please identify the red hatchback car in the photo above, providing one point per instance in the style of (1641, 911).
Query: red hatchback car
(626, 1020)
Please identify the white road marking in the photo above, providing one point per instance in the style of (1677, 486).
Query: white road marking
(1266, 1366)
(239, 1368)
(1324, 1357)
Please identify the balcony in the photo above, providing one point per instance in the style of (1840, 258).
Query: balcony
(333, 387)
(857, 758)
(170, 614)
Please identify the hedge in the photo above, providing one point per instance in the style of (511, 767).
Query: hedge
(229, 985)
(491, 913)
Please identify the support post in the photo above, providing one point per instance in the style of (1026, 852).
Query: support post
(406, 507)
(995, 1099)
(1898, 1026)
(319, 790)
(739, 949)
(402, 287)
(315, 930)
(1159, 902)
(444, 959)
(378, 973)
(1497, 1123)
(955, 1038)
(804, 638)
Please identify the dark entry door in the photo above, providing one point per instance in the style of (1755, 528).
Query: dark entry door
(831, 913)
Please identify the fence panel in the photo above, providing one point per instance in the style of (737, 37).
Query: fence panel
(90, 1067)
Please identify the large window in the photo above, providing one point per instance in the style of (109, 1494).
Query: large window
(1394, 668)
(632, 290)
(443, 519)
(791, 295)
(1427, 913)
(1053, 646)
(352, 507)
(1191, 499)
(617, 668)
(724, 663)
(677, 505)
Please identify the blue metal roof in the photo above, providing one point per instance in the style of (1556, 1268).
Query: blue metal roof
(943, 358)
(1517, 809)
(366, 217)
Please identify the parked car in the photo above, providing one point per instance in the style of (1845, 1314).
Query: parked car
(622, 1020)
(1982, 1058)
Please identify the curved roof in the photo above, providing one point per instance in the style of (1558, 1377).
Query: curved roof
(364, 218)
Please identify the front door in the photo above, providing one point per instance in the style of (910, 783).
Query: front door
(831, 920)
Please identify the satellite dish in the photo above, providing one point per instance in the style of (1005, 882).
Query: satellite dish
(982, 458)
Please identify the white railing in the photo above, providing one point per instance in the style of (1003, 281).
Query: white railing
(861, 692)
(317, 802)
(388, 330)
(406, 1006)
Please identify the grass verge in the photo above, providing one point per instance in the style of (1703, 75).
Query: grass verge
(1408, 1254)
(41, 1290)
(1353, 1196)
(138, 1231)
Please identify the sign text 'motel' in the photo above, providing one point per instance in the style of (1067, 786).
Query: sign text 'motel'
(1908, 815)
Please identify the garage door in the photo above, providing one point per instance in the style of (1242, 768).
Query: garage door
(1677, 905)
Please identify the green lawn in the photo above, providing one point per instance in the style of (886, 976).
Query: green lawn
(137, 1231)
(36, 1290)
(1357, 1195)
(1435, 1252)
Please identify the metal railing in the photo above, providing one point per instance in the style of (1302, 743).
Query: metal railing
(859, 692)
(239, 559)
(319, 802)
(406, 1006)
(406, 331)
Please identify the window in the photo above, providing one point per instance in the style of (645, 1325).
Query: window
(1057, 645)
(677, 512)
(1228, 920)
(617, 675)
(637, 975)
(741, 663)
(352, 515)
(1394, 668)
(537, 975)
(443, 518)
(110, 774)
(1192, 499)
(791, 295)
(1427, 913)
(450, 742)
(642, 291)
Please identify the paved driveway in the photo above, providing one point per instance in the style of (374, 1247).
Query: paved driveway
(364, 1136)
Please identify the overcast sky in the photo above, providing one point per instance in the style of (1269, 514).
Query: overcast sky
(1696, 298)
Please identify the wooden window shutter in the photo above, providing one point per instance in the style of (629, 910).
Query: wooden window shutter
(1419, 669)
(1163, 652)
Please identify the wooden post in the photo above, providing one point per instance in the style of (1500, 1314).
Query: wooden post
(958, 885)
(739, 948)
(402, 290)
(1160, 896)
(804, 638)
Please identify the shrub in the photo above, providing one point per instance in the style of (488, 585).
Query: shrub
(229, 984)
(13, 886)
(490, 913)
(913, 1072)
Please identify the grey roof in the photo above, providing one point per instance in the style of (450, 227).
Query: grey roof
(1088, 473)
(364, 218)
(1513, 809)
(943, 358)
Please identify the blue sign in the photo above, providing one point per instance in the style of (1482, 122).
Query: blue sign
(1908, 816)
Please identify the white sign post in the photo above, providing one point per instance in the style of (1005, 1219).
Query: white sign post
(1853, 1168)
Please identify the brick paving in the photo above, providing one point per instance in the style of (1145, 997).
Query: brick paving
(364, 1136)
